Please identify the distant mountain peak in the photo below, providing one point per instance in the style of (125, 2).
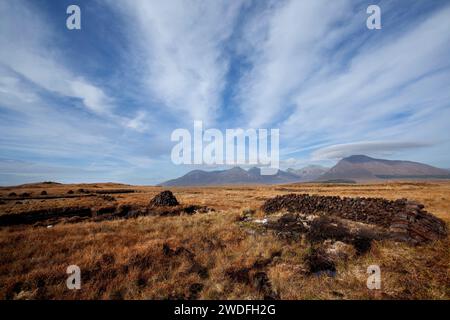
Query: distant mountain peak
(254, 170)
(362, 167)
(358, 158)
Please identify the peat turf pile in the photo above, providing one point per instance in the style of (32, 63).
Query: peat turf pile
(164, 199)
(406, 220)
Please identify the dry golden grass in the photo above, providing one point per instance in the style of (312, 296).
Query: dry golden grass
(125, 259)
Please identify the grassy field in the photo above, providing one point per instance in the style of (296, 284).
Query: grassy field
(205, 255)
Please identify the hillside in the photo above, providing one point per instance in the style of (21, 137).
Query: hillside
(309, 173)
(234, 175)
(361, 167)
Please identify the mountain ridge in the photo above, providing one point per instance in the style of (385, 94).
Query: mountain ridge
(310, 172)
(352, 168)
(235, 175)
(361, 167)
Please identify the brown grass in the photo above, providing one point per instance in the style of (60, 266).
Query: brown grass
(197, 256)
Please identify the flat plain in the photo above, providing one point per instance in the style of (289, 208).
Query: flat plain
(210, 254)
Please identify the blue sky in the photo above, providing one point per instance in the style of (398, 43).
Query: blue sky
(99, 104)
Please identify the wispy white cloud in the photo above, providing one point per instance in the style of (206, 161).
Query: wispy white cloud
(309, 68)
(181, 48)
(369, 89)
(36, 57)
(52, 116)
(292, 41)
(324, 79)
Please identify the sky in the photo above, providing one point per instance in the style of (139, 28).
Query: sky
(99, 104)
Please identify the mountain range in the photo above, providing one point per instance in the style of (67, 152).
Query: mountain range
(364, 168)
(353, 168)
(234, 175)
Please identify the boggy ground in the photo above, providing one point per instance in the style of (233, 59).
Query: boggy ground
(205, 255)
